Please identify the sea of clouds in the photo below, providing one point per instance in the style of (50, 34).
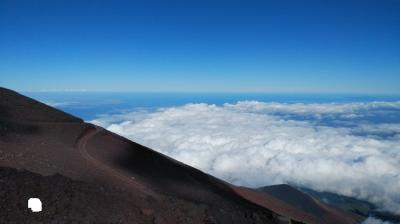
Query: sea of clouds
(348, 148)
(372, 220)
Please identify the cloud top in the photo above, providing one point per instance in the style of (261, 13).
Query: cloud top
(341, 148)
(372, 220)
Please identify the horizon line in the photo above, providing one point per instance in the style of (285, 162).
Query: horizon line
(208, 92)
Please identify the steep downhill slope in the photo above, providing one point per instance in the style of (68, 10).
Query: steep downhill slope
(68, 163)
(301, 206)
(294, 198)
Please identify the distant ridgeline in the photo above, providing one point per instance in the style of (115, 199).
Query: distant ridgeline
(351, 204)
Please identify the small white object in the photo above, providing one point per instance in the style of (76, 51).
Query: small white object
(35, 204)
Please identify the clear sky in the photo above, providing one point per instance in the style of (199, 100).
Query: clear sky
(349, 46)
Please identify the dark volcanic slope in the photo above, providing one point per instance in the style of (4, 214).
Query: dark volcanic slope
(295, 198)
(297, 204)
(65, 200)
(14, 107)
(117, 181)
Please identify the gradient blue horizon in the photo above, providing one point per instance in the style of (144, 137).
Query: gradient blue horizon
(88, 105)
(201, 46)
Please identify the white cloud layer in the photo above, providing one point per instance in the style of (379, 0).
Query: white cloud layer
(256, 144)
(372, 220)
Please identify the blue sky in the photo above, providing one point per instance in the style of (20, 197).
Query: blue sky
(350, 46)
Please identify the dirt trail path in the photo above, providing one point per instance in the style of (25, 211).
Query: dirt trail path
(129, 180)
